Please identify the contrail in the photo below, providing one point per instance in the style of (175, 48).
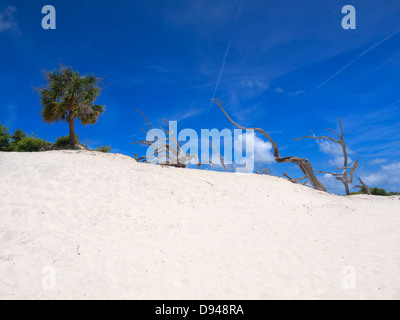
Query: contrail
(220, 74)
(356, 59)
(238, 14)
(222, 68)
(393, 104)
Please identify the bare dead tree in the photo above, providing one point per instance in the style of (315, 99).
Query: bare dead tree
(346, 176)
(304, 164)
(363, 187)
(167, 150)
(297, 180)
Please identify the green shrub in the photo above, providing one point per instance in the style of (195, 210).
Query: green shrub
(104, 149)
(377, 192)
(383, 192)
(17, 136)
(4, 138)
(32, 144)
(63, 142)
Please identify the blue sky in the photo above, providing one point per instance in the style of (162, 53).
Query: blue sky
(288, 67)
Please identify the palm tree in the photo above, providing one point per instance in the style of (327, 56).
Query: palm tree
(69, 96)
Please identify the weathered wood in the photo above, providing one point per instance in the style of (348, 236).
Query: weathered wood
(363, 186)
(303, 163)
(297, 180)
(171, 155)
(344, 175)
(220, 157)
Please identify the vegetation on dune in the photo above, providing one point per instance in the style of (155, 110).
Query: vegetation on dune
(104, 149)
(32, 144)
(4, 138)
(19, 141)
(64, 142)
(69, 96)
(377, 192)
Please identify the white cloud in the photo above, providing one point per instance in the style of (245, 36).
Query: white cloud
(393, 166)
(329, 147)
(388, 176)
(377, 161)
(336, 151)
(262, 149)
(7, 21)
(338, 161)
(297, 93)
(373, 179)
(332, 184)
(263, 86)
(252, 83)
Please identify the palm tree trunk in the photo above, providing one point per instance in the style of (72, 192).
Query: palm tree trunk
(72, 132)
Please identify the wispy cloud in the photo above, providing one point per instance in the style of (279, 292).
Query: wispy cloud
(377, 161)
(187, 114)
(12, 117)
(254, 83)
(7, 22)
(219, 75)
(388, 176)
(362, 54)
(336, 151)
(158, 69)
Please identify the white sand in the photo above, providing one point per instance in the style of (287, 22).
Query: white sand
(85, 225)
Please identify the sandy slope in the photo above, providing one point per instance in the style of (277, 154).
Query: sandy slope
(104, 226)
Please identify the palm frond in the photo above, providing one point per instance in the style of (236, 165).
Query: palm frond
(69, 94)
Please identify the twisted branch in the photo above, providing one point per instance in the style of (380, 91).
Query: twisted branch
(303, 164)
(344, 175)
(295, 181)
(172, 153)
(363, 187)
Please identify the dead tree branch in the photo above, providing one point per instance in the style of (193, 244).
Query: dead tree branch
(304, 164)
(264, 171)
(141, 159)
(346, 176)
(167, 150)
(220, 157)
(297, 180)
(363, 187)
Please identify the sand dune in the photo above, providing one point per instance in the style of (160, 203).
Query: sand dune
(87, 225)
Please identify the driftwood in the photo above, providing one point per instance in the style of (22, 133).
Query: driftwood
(304, 164)
(264, 171)
(347, 174)
(210, 163)
(297, 180)
(165, 153)
(220, 157)
(141, 159)
(363, 187)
